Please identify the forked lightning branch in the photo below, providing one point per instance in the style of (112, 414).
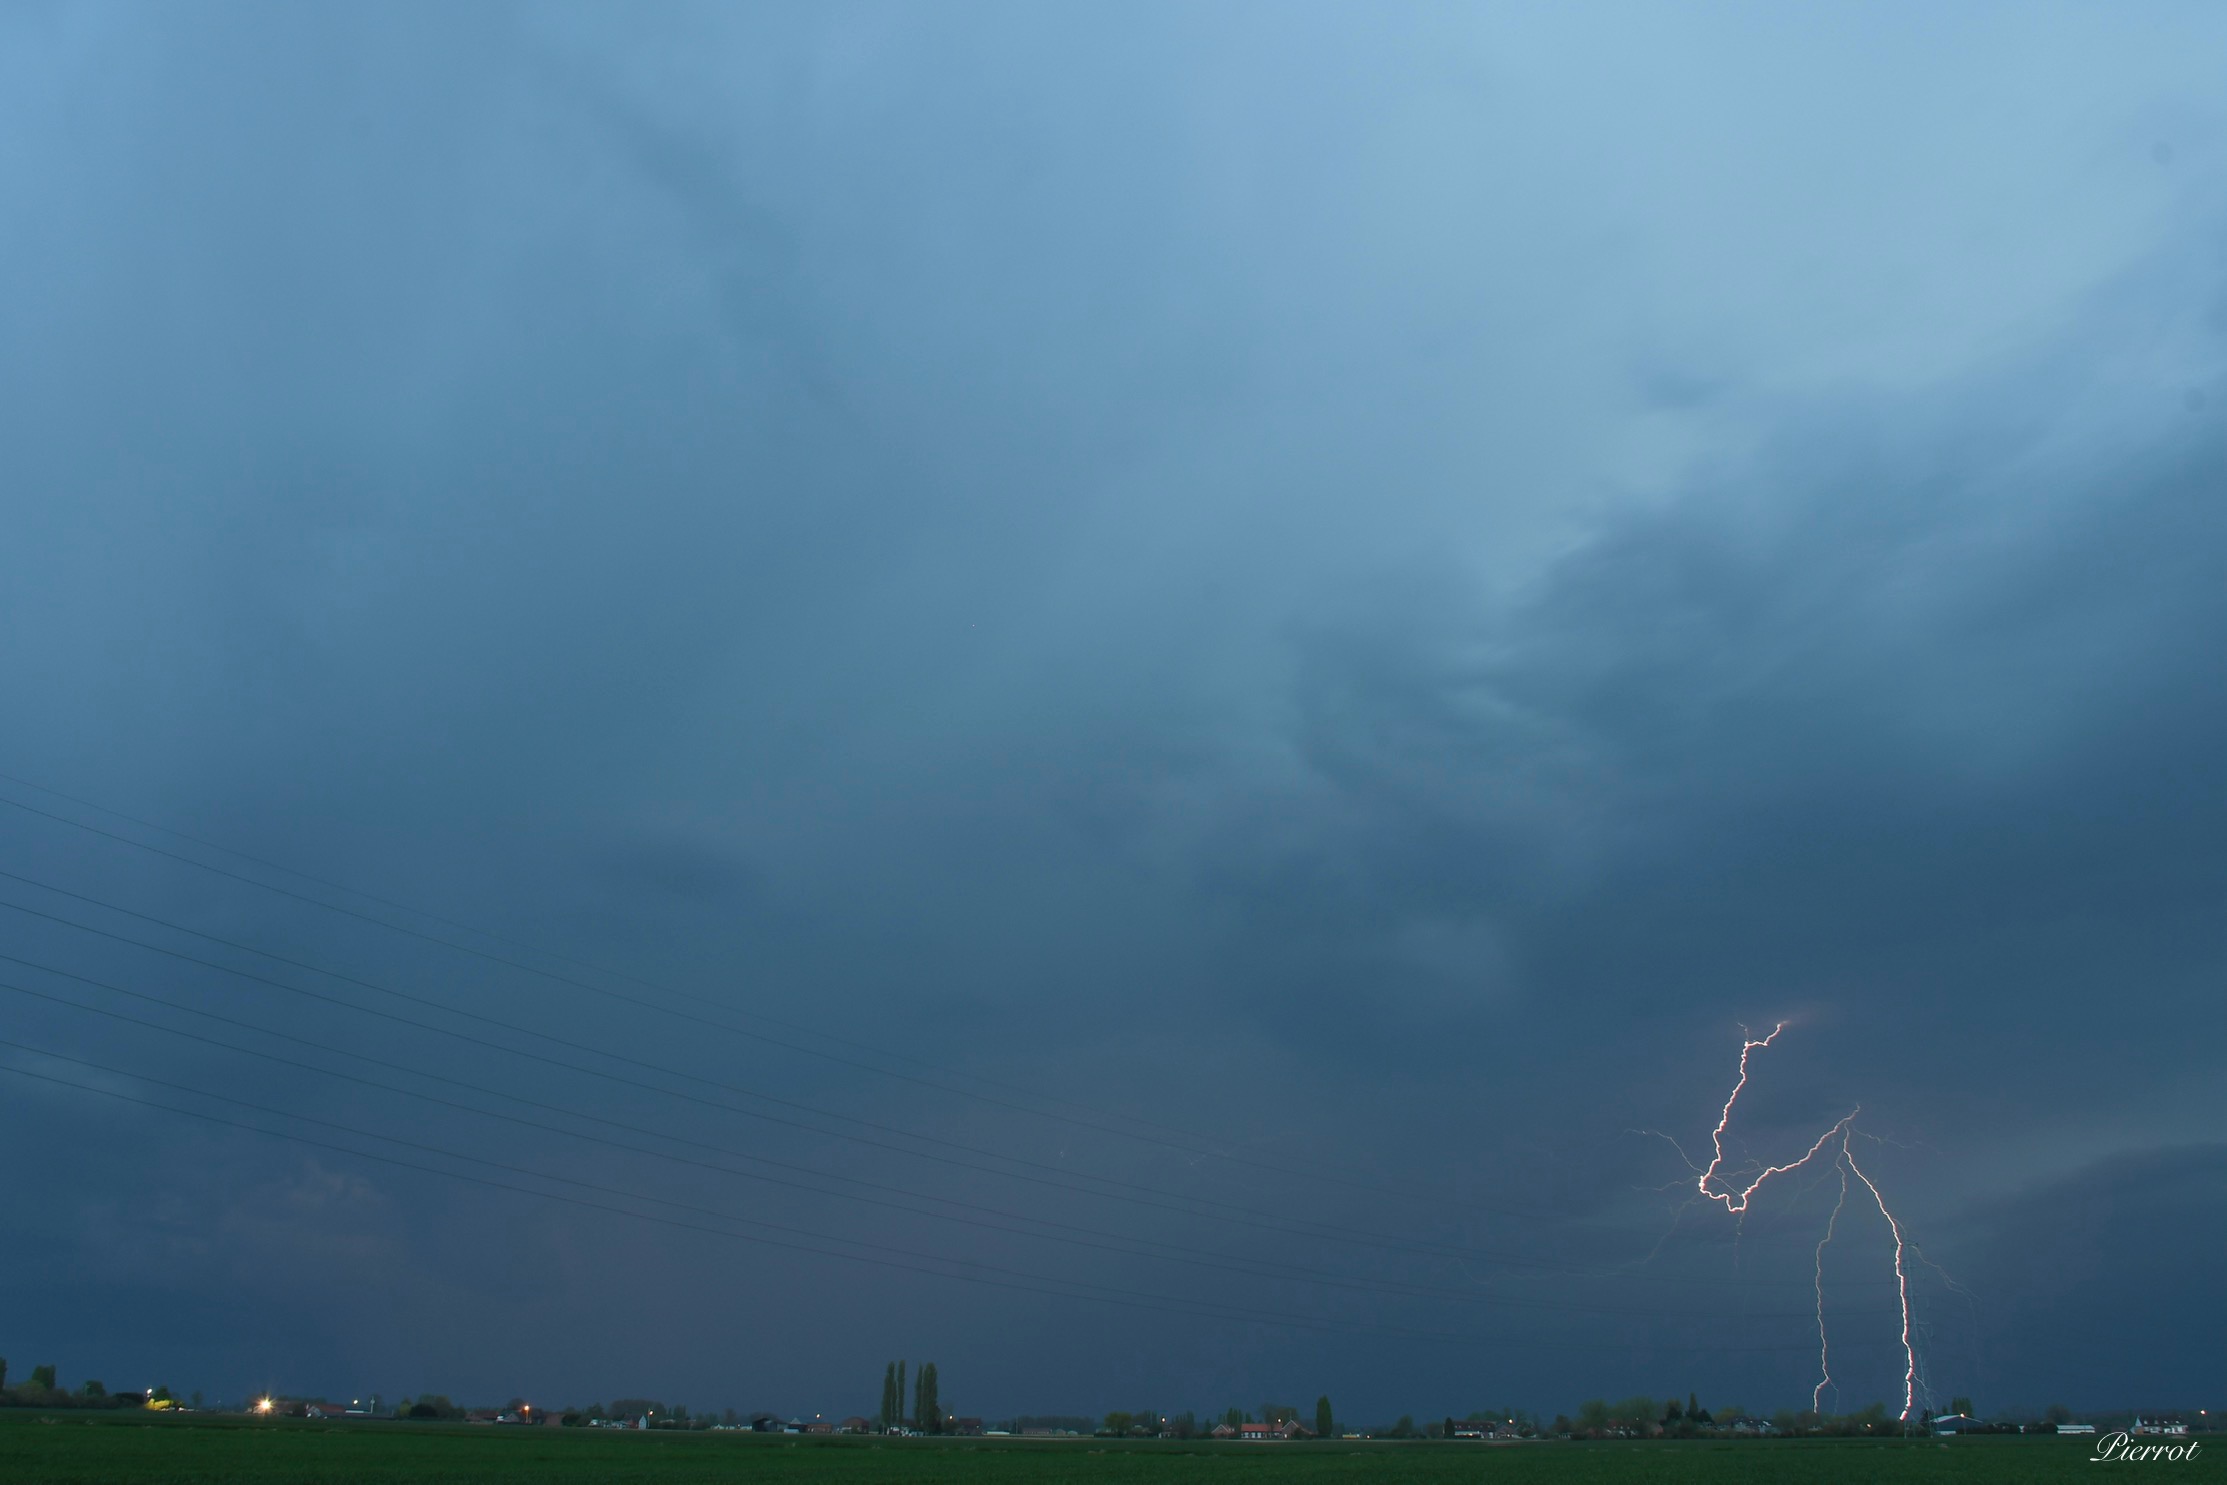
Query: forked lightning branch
(1733, 1192)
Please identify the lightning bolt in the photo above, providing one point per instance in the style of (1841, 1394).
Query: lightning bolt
(1736, 1202)
(1734, 1198)
(1824, 1358)
(1902, 1286)
(1748, 1044)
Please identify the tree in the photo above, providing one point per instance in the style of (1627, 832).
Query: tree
(1961, 1405)
(1633, 1412)
(1671, 1413)
(900, 1392)
(1323, 1426)
(888, 1416)
(3, 1371)
(1695, 1411)
(927, 1408)
(92, 1391)
(42, 1377)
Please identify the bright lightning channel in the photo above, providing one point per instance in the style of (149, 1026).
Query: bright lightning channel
(1824, 1357)
(1735, 1198)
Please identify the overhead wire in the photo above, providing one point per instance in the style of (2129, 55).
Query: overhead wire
(1035, 1283)
(1045, 1173)
(1070, 1233)
(1054, 1177)
(1229, 1211)
(416, 910)
(1197, 1145)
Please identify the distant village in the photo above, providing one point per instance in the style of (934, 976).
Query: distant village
(1630, 1418)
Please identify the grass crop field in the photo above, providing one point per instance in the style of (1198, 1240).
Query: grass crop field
(111, 1449)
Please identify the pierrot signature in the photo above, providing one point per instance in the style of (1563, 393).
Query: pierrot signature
(2113, 1447)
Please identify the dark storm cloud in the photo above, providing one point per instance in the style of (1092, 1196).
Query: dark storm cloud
(1848, 687)
(1371, 587)
(2072, 1265)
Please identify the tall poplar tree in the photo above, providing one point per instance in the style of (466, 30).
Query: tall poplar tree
(900, 1391)
(889, 1396)
(927, 1408)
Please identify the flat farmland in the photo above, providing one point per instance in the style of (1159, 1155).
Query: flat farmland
(67, 1449)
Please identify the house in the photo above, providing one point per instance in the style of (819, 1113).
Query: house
(967, 1427)
(1224, 1431)
(2165, 1425)
(318, 1409)
(819, 1426)
(2076, 1428)
(1290, 1428)
(854, 1424)
(1747, 1425)
(1954, 1423)
(1472, 1428)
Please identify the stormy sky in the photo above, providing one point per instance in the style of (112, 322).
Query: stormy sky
(1122, 696)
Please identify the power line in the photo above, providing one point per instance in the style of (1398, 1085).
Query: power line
(1110, 1294)
(1035, 1283)
(490, 934)
(1226, 1211)
(1195, 1144)
(1176, 1253)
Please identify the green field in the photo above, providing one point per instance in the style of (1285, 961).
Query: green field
(111, 1449)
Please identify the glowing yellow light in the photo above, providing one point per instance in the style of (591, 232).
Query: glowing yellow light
(264, 1406)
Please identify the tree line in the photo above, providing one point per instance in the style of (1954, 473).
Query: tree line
(43, 1389)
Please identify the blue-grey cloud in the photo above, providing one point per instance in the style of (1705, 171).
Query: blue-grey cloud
(1368, 587)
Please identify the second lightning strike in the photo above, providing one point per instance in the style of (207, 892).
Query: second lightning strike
(1712, 1185)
